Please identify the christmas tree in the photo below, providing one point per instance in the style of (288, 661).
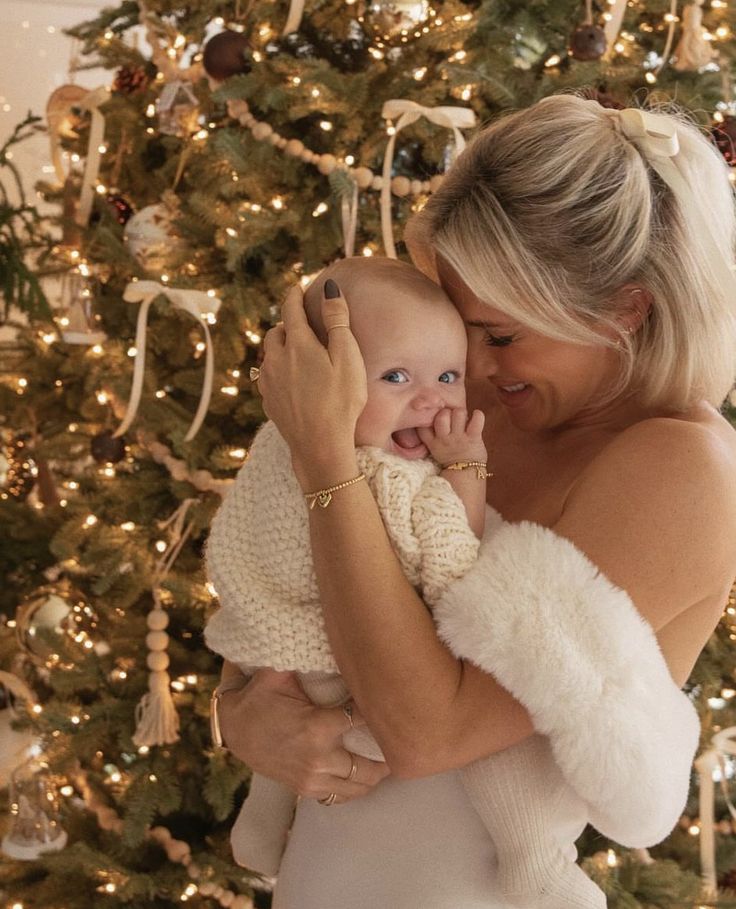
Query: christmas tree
(238, 149)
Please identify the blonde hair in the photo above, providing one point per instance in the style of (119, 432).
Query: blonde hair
(359, 277)
(551, 210)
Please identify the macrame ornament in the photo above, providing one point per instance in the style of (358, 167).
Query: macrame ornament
(157, 722)
(693, 50)
(405, 113)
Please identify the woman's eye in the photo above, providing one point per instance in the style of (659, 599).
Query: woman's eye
(395, 376)
(449, 377)
(498, 340)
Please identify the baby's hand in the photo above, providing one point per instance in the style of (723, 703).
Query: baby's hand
(454, 437)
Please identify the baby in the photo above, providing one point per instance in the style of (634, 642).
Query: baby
(424, 461)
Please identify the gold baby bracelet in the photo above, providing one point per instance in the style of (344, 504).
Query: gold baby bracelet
(480, 468)
(323, 497)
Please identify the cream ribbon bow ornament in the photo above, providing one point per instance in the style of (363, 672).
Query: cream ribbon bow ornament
(406, 113)
(199, 305)
(711, 767)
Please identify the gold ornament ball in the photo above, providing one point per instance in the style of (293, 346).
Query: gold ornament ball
(391, 19)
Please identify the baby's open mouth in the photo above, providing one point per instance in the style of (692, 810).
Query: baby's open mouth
(408, 444)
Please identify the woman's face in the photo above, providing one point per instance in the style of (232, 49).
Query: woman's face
(542, 383)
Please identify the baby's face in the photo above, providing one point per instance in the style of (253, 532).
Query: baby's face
(414, 350)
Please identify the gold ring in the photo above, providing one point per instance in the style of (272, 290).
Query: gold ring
(254, 373)
(347, 709)
(353, 768)
(330, 800)
(339, 325)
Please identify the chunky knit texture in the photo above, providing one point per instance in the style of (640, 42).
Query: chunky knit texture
(260, 561)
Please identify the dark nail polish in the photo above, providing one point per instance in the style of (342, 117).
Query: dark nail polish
(331, 290)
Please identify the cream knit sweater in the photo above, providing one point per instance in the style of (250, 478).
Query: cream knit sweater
(260, 561)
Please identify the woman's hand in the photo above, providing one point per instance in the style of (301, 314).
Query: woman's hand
(272, 726)
(314, 394)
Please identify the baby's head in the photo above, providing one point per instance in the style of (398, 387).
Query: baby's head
(413, 344)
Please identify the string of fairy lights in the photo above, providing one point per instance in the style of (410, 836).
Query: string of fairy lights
(20, 470)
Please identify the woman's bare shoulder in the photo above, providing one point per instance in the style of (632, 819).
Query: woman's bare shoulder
(656, 511)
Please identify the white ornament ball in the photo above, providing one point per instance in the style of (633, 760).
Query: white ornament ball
(151, 238)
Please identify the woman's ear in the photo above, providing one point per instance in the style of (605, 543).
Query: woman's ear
(633, 305)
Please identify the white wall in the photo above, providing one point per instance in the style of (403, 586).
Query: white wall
(34, 60)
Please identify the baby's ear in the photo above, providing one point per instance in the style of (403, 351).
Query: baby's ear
(416, 238)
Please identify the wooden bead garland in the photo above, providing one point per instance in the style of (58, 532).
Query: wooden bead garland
(177, 851)
(362, 176)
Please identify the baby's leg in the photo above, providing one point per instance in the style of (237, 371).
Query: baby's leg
(328, 690)
(517, 794)
(258, 837)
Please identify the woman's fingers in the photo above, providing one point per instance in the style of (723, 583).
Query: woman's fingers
(292, 312)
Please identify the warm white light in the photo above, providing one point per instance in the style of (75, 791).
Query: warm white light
(49, 339)
(727, 693)
(90, 520)
(102, 149)
(211, 589)
(367, 251)
(277, 202)
(200, 346)
(75, 720)
(201, 134)
(116, 776)
(160, 393)
(326, 125)
(375, 53)
(160, 545)
(210, 318)
(315, 93)
(651, 78)
(102, 397)
(553, 60)
(419, 73)
(67, 790)
(23, 382)
(110, 888)
(152, 777)
(127, 526)
(229, 390)
(319, 210)
(350, 160)
(611, 859)
(132, 351)
(231, 232)
(151, 110)
(144, 749)
(97, 349)
(164, 279)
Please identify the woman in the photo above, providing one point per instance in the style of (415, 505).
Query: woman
(589, 252)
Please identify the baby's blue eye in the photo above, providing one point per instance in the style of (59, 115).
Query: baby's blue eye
(395, 376)
(449, 377)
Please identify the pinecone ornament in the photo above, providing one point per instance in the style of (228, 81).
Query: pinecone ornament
(130, 80)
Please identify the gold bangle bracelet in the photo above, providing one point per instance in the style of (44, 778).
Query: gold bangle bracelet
(323, 497)
(480, 468)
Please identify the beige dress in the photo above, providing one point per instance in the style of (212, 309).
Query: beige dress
(409, 844)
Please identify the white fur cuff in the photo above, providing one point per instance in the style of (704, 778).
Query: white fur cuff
(540, 617)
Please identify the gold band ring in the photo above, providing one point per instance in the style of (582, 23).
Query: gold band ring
(353, 768)
(347, 709)
(339, 325)
(329, 800)
(254, 374)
